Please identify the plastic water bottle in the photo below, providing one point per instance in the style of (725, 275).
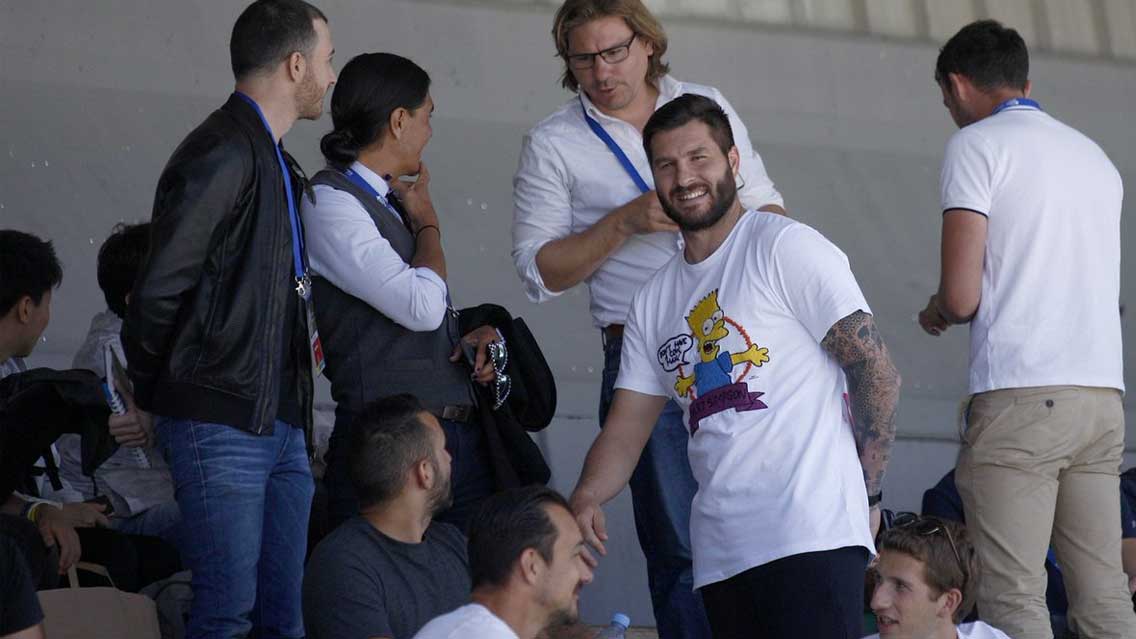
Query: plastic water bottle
(617, 629)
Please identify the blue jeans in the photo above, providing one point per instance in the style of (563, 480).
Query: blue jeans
(471, 476)
(162, 520)
(245, 501)
(662, 489)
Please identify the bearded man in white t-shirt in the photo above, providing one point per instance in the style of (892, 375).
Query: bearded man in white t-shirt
(586, 211)
(925, 582)
(1031, 260)
(759, 331)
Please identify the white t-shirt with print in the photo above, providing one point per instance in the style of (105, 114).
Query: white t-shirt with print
(975, 630)
(771, 447)
(1049, 312)
(471, 621)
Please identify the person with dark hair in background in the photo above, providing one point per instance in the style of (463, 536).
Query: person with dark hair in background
(382, 301)
(387, 572)
(528, 563)
(135, 479)
(1031, 215)
(585, 209)
(926, 578)
(29, 272)
(760, 333)
(66, 526)
(216, 332)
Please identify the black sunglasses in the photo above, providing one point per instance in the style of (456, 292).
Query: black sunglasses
(923, 527)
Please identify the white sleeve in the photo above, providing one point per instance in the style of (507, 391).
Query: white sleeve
(968, 173)
(814, 280)
(758, 189)
(346, 248)
(637, 361)
(542, 211)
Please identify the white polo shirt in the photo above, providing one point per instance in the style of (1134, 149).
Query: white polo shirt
(1049, 312)
(735, 341)
(568, 180)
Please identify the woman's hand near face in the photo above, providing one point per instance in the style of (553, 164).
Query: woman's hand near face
(415, 198)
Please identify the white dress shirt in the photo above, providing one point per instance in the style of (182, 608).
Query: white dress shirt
(568, 180)
(345, 248)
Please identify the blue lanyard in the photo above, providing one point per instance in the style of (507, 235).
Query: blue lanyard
(615, 150)
(358, 181)
(299, 260)
(1013, 102)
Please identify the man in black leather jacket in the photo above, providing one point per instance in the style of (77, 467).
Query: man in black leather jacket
(216, 334)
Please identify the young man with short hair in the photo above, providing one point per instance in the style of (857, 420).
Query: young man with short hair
(29, 271)
(216, 333)
(586, 210)
(759, 331)
(135, 479)
(528, 562)
(389, 570)
(1031, 221)
(925, 582)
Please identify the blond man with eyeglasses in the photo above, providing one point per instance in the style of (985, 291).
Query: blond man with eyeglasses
(585, 211)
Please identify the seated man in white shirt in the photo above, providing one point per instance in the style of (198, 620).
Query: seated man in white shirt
(925, 582)
(136, 479)
(528, 562)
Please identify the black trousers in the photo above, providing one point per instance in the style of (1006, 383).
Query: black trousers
(816, 595)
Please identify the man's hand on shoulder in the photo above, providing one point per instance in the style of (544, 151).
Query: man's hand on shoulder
(645, 214)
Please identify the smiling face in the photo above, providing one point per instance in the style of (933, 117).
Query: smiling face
(906, 607)
(567, 573)
(693, 177)
(612, 87)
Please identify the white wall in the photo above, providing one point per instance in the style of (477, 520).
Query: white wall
(96, 95)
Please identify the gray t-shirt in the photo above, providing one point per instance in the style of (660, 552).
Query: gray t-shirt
(359, 583)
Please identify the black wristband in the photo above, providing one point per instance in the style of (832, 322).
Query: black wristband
(423, 228)
(875, 499)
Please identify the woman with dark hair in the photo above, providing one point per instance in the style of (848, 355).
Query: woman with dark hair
(382, 304)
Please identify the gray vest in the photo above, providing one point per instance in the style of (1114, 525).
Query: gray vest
(368, 355)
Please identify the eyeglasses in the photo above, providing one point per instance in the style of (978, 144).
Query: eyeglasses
(613, 55)
(923, 527)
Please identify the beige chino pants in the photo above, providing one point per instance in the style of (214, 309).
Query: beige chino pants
(1041, 465)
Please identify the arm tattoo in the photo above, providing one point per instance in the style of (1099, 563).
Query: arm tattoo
(873, 389)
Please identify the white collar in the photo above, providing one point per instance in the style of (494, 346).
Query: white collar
(379, 184)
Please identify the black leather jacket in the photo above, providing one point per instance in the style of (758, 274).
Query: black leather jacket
(215, 299)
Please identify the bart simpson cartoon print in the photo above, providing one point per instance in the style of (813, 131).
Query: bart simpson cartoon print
(711, 385)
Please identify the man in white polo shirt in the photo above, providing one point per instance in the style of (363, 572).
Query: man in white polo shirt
(759, 331)
(1031, 260)
(585, 211)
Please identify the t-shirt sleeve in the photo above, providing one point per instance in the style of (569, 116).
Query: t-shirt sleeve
(342, 599)
(637, 359)
(968, 173)
(19, 607)
(814, 280)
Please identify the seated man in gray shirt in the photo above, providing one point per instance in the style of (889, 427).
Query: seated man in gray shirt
(390, 570)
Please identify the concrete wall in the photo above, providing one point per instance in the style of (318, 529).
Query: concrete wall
(96, 96)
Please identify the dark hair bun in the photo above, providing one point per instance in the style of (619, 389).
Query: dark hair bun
(340, 147)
